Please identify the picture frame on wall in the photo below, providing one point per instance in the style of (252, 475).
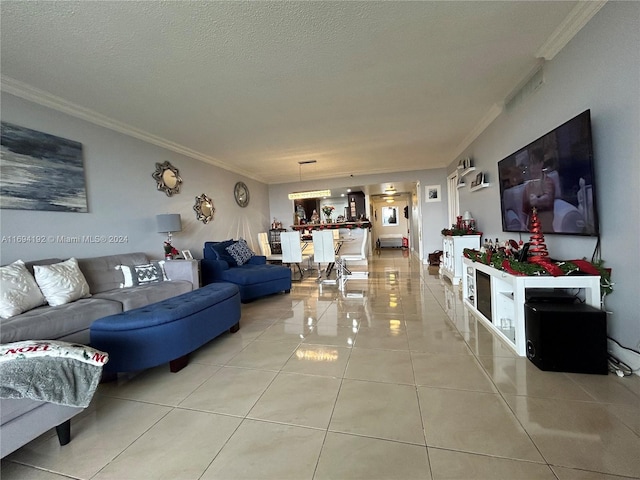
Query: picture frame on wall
(479, 179)
(432, 193)
(389, 216)
(41, 171)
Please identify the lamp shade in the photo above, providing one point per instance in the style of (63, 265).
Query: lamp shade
(169, 222)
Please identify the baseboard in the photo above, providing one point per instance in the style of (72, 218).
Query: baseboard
(627, 356)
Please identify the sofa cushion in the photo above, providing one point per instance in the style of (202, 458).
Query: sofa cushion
(19, 291)
(52, 323)
(62, 282)
(143, 295)
(219, 250)
(142, 274)
(101, 273)
(251, 274)
(240, 252)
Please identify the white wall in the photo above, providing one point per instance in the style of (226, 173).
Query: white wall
(434, 215)
(401, 228)
(598, 70)
(122, 195)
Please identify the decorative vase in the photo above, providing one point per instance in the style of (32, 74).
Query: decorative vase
(327, 218)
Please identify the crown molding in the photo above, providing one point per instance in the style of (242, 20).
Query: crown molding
(489, 117)
(577, 18)
(570, 26)
(46, 99)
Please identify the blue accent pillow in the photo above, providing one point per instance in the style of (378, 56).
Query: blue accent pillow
(220, 250)
(240, 252)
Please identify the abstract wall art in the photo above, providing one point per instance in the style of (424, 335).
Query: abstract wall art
(40, 171)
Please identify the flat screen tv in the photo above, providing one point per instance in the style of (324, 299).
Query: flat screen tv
(554, 174)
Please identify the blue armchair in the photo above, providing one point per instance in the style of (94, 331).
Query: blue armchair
(255, 278)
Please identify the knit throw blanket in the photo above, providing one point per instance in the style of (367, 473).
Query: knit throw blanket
(50, 371)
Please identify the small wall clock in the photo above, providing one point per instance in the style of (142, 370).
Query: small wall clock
(241, 193)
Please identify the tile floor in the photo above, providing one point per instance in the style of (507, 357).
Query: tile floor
(391, 380)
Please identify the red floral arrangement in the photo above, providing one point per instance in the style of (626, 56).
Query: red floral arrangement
(170, 250)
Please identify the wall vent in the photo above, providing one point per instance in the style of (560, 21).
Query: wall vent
(530, 86)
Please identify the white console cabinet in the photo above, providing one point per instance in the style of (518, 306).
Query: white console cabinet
(504, 296)
(452, 247)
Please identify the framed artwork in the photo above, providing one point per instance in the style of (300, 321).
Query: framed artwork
(479, 180)
(187, 254)
(40, 171)
(432, 193)
(389, 216)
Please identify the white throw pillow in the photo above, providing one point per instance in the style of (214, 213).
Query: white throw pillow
(142, 274)
(61, 282)
(19, 291)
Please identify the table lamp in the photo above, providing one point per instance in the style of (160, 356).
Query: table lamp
(169, 223)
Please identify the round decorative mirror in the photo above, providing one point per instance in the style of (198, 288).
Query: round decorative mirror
(167, 178)
(204, 208)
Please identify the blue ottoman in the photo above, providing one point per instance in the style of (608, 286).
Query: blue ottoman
(167, 331)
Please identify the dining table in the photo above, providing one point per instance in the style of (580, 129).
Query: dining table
(306, 245)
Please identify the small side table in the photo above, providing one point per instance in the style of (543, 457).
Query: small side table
(188, 270)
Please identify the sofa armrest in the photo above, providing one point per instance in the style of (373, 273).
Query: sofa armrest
(211, 270)
(183, 270)
(257, 260)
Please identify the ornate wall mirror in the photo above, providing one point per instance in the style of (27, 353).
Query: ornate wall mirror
(204, 208)
(167, 178)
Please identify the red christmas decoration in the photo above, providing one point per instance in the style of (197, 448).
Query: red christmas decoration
(538, 253)
(537, 248)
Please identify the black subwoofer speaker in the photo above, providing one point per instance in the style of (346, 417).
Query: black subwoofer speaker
(567, 337)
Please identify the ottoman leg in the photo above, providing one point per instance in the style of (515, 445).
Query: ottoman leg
(179, 363)
(235, 328)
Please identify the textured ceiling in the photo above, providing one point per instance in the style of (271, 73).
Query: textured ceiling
(256, 87)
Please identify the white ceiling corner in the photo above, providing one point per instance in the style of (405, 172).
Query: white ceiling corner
(570, 26)
(255, 87)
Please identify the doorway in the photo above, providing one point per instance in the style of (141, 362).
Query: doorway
(390, 222)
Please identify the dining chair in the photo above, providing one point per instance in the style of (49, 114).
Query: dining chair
(344, 272)
(265, 248)
(292, 250)
(323, 250)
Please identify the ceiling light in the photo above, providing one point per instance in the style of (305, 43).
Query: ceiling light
(309, 194)
(390, 200)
